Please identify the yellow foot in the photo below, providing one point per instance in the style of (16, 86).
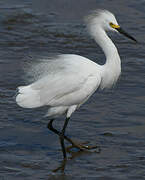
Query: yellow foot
(82, 147)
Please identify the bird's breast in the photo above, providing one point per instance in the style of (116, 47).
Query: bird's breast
(110, 77)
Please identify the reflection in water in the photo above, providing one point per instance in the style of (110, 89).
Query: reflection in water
(74, 154)
(61, 167)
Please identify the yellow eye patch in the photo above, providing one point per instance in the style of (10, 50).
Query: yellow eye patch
(114, 26)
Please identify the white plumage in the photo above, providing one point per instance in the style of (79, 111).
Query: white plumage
(69, 86)
(72, 79)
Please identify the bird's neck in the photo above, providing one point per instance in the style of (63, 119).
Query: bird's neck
(112, 68)
(107, 46)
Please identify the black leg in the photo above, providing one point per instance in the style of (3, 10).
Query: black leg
(61, 134)
(81, 147)
(61, 137)
(50, 127)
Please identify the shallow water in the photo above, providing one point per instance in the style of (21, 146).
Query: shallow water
(113, 119)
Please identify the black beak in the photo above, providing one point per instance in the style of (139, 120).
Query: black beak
(126, 34)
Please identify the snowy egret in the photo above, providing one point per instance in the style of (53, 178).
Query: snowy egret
(73, 78)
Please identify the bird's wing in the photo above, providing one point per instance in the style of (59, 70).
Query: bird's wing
(57, 86)
(68, 81)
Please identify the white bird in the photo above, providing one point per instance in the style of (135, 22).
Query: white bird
(72, 79)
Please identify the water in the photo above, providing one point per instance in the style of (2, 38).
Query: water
(113, 119)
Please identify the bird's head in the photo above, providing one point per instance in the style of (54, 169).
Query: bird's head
(104, 19)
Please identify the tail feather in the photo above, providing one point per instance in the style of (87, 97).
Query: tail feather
(28, 97)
